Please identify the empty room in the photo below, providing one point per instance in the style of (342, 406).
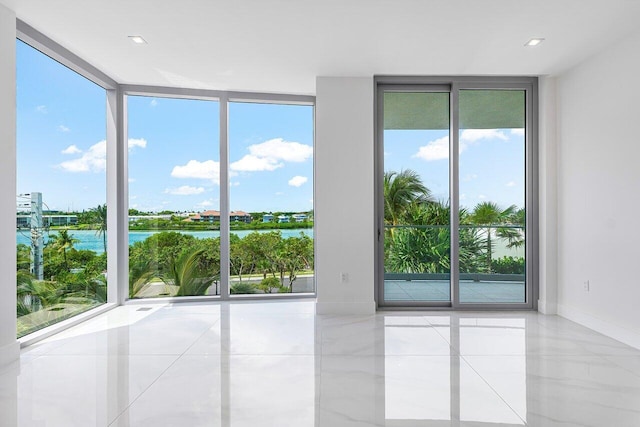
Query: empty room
(319, 213)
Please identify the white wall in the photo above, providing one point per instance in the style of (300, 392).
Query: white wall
(599, 192)
(9, 348)
(344, 189)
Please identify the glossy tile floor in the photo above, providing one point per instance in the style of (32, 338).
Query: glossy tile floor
(278, 364)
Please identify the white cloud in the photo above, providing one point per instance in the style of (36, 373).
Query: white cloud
(63, 128)
(95, 158)
(481, 196)
(283, 150)
(439, 148)
(298, 180)
(234, 184)
(251, 163)
(42, 109)
(473, 135)
(463, 196)
(153, 103)
(137, 142)
(131, 180)
(185, 190)
(435, 150)
(470, 177)
(511, 184)
(92, 160)
(518, 132)
(72, 149)
(209, 169)
(270, 155)
(279, 193)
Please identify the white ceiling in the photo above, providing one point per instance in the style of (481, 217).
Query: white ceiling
(282, 45)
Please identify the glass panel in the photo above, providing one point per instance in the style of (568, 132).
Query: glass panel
(416, 193)
(271, 198)
(492, 196)
(61, 187)
(174, 197)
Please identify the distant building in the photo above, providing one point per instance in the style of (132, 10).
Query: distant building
(133, 218)
(206, 216)
(267, 218)
(214, 216)
(299, 217)
(24, 221)
(284, 218)
(240, 216)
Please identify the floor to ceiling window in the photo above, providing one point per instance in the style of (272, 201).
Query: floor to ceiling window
(456, 189)
(174, 197)
(61, 192)
(271, 198)
(219, 190)
(219, 210)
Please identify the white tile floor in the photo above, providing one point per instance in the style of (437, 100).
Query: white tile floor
(278, 364)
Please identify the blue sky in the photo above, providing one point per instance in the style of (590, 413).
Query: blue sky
(174, 156)
(491, 163)
(174, 145)
(56, 109)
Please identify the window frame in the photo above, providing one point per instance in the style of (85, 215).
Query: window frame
(224, 98)
(36, 40)
(454, 84)
(117, 187)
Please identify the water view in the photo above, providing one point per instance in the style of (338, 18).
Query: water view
(90, 240)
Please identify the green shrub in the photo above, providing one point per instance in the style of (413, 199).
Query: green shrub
(508, 265)
(269, 284)
(243, 288)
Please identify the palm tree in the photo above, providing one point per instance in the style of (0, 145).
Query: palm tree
(491, 215)
(33, 295)
(140, 274)
(100, 218)
(514, 235)
(402, 190)
(64, 241)
(184, 273)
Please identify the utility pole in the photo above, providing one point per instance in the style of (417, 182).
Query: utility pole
(37, 239)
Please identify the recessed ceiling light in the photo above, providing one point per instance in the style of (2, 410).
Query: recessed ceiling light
(534, 42)
(138, 39)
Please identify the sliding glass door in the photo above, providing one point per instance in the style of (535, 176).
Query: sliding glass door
(456, 193)
(417, 241)
(492, 196)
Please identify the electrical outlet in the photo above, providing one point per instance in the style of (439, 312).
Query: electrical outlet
(344, 277)
(587, 286)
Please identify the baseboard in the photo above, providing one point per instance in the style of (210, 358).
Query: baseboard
(364, 308)
(617, 332)
(545, 308)
(9, 353)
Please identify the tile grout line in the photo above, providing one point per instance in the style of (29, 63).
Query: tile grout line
(493, 389)
(161, 374)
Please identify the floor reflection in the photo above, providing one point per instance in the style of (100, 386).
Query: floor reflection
(278, 364)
